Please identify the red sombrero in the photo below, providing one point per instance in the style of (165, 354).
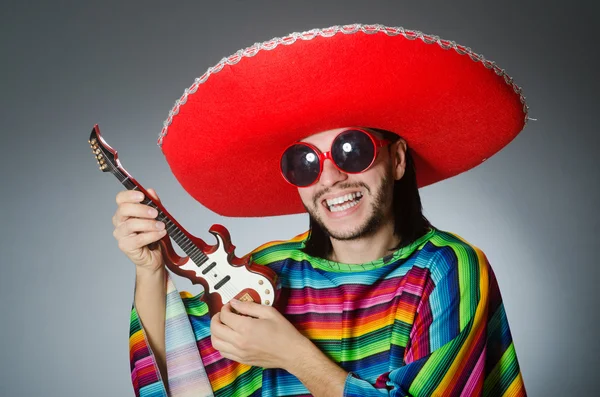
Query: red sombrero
(224, 137)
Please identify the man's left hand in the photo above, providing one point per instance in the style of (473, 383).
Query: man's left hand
(256, 335)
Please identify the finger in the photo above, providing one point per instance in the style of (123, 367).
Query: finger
(152, 193)
(222, 331)
(222, 346)
(125, 196)
(136, 225)
(131, 210)
(137, 241)
(129, 196)
(252, 309)
(234, 321)
(226, 350)
(233, 357)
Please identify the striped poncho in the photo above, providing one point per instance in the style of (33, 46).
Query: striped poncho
(427, 320)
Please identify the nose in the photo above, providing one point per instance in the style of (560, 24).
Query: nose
(331, 175)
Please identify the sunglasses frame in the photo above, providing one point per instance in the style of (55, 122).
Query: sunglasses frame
(377, 143)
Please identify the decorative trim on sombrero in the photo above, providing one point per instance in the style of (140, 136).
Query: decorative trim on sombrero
(329, 32)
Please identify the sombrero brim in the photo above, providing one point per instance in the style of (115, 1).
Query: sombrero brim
(224, 137)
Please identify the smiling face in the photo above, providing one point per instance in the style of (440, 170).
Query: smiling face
(351, 206)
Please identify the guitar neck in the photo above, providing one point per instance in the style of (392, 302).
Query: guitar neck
(174, 230)
(230, 277)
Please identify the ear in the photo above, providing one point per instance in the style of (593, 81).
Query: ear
(398, 153)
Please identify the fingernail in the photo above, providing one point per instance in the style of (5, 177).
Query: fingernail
(234, 302)
(139, 196)
(152, 212)
(160, 225)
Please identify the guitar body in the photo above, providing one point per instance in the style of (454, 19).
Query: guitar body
(257, 278)
(222, 275)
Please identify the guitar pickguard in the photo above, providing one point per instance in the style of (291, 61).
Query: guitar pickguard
(217, 268)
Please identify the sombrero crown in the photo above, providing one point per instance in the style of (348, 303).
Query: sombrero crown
(224, 136)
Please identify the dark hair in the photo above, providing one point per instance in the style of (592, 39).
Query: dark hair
(409, 221)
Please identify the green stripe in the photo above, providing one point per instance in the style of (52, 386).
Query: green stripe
(292, 250)
(434, 370)
(503, 374)
(366, 345)
(194, 306)
(401, 333)
(244, 385)
(468, 275)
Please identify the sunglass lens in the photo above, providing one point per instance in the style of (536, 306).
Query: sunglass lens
(300, 165)
(353, 151)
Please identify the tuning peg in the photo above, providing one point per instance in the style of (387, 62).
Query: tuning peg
(93, 140)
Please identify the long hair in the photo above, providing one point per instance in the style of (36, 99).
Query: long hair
(409, 221)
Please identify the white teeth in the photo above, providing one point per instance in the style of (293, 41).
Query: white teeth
(348, 199)
(344, 207)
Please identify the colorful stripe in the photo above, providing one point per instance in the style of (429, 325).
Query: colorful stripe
(427, 320)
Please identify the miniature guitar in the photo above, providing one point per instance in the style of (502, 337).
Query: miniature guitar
(223, 275)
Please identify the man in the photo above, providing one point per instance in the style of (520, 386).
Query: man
(374, 300)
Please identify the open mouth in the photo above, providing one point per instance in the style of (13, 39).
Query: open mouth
(344, 202)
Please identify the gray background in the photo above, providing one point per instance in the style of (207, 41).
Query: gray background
(66, 289)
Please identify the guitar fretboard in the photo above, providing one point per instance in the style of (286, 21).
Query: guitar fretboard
(173, 230)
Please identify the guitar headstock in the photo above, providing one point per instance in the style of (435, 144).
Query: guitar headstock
(106, 157)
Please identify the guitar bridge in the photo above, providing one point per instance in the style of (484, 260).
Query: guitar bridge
(246, 298)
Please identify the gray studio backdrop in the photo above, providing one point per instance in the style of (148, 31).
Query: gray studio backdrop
(66, 289)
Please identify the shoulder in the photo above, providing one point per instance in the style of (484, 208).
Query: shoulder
(452, 254)
(279, 250)
(460, 278)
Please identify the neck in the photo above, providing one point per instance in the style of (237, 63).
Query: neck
(365, 249)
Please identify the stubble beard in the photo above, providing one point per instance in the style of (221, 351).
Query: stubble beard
(375, 220)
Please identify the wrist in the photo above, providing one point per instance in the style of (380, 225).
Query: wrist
(148, 273)
(149, 284)
(296, 358)
(305, 358)
(320, 375)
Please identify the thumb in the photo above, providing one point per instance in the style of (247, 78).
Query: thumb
(251, 309)
(152, 193)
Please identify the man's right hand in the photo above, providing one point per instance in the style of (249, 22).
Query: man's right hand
(136, 229)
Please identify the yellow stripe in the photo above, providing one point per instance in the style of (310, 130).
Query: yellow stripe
(316, 333)
(368, 327)
(406, 315)
(186, 295)
(516, 388)
(136, 338)
(228, 378)
(479, 318)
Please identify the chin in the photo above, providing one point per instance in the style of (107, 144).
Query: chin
(345, 229)
(345, 235)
